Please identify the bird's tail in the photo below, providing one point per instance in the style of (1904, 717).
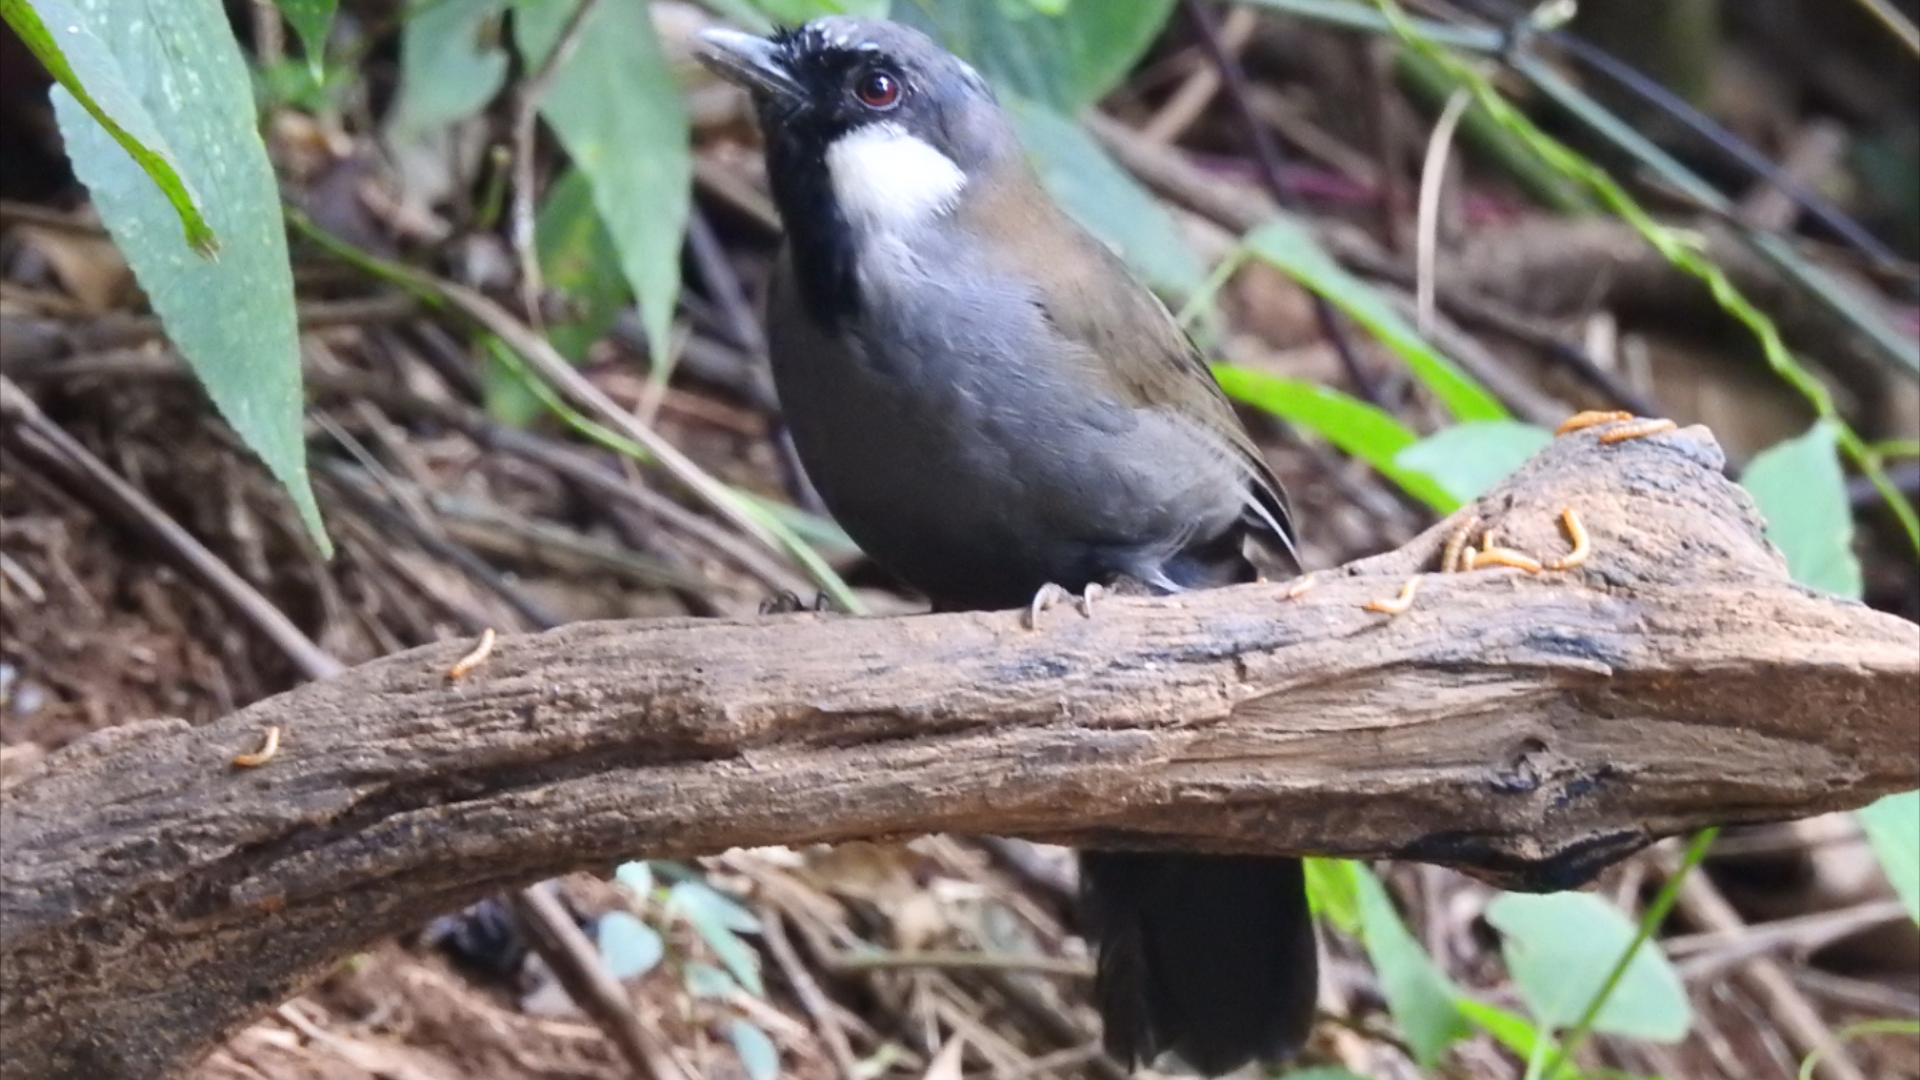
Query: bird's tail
(1209, 957)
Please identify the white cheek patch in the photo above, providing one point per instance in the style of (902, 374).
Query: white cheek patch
(888, 180)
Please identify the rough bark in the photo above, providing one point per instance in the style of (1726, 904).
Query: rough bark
(1529, 728)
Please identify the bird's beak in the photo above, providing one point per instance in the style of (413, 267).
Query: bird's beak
(747, 61)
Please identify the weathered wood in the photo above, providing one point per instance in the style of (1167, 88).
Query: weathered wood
(1525, 727)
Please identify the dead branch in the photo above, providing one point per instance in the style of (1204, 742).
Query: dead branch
(1526, 727)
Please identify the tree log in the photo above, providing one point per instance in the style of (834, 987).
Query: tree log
(1529, 728)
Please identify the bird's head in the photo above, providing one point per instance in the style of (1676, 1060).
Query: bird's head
(869, 124)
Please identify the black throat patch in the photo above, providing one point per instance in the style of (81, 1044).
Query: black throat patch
(820, 240)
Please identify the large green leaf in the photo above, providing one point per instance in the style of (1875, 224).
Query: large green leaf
(1333, 888)
(312, 20)
(615, 106)
(1467, 459)
(1102, 197)
(1803, 495)
(232, 318)
(1068, 60)
(577, 259)
(1289, 247)
(1561, 948)
(91, 72)
(451, 64)
(1893, 827)
(1418, 993)
(1368, 433)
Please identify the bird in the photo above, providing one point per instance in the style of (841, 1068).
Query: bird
(996, 409)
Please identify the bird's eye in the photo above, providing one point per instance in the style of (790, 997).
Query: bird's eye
(877, 90)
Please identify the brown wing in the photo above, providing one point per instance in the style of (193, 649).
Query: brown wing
(1148, 360)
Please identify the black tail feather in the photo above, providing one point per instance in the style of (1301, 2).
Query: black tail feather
(1208, 957)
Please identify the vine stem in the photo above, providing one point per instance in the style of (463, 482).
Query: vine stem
(1650, 921)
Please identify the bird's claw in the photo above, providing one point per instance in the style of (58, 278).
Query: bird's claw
(787, 602)
(1052, 595)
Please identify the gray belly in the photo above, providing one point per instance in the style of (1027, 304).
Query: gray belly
(977, 471)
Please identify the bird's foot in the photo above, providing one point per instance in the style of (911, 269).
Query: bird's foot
(787, 602)
(1052, 595)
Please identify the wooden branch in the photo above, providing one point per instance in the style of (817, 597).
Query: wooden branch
(1529, 728)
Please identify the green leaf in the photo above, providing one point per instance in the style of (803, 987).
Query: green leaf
(232, 318)
(795, 12)
(757, 1053)
(1360, 429)
(1100, 195)
(1560, 950)
(1467, 459)
(451, 65)
(1325, 1072)
(1803, 495)
(719, 920)
(707, 981)
(628, 947)
(577, 258)
(91, 73)
(615, 106)
(1068, 61)
(1290, 248)
(1418, 993)
(695, 898)
(1333, 890)
(1893, 828)
(635, 877)
(1509, 1029)
(312, 20)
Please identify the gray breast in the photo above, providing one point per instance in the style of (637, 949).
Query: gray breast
(953, 441)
